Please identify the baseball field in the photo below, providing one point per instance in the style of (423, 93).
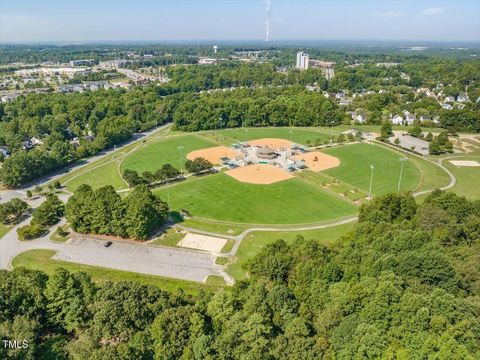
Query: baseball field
(325, 194)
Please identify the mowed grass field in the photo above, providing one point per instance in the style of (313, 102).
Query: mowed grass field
(151, 156)
(106, 174)
(355, 168)
(467, 178)
(298, 135)
(221, 197)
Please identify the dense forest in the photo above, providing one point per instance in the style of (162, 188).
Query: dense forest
(71, 126)
(291, 106)
(403, 284)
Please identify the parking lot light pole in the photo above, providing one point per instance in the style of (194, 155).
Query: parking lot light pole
(371, 182)
(402, 160)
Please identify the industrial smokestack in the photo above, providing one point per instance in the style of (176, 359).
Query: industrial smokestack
(268, 5)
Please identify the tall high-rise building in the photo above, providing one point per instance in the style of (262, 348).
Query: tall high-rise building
(302, 61)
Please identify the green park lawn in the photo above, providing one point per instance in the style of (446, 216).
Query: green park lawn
(298, 135)
(221, 197)
(3, 230)
(355, 168)
(106, 174)
(467, 178)
(152, 155)
(254, 242)
(40, 260)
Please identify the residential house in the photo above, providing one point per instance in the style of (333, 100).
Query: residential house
(345, 102)
(5, 151)
(409, 118)
(36, 141)
(27, 145)
(359, 118)
(463, 98)
(449, 99)
(397, 120)
(447, 106)
(340, 95)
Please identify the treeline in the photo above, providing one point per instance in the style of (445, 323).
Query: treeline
(104, 212)
(403, 284)
(231, 74)
(98, 119)
(252, 107)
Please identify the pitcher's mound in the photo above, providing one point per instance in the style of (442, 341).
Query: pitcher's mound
(318, 161)
(259, 174)
(272, 143)
(213, 154)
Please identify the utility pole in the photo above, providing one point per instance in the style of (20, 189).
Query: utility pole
(371, 182)
(402, 160)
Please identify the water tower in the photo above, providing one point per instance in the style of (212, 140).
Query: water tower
(215, 48)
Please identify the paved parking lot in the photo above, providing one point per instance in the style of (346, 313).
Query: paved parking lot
(407, 142)
(145, 259)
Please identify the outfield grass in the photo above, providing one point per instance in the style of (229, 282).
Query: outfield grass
(106, 174)
(221, 197)
(340, 188)
(40, 260)
(253, 243)
(298, 135)
(467, 178)
(152, 155)
(355, 168)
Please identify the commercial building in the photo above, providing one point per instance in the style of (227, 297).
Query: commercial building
(302, 61)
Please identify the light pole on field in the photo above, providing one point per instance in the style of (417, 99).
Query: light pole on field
(180, 148)
(331, 132)
(371, 182)
(402, 160)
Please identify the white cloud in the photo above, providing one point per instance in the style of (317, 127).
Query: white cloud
(388, 14)
(432, 11)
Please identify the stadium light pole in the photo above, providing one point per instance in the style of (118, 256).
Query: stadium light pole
(331, 132)
(180, 148)
(371, 182)
(402, 160)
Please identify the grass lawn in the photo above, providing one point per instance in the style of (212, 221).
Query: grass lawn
(299, 135)
(433, 176)
(3, 230)
(170, 238)
(355, 168)
(57, 237)
(220, 228)
(152, 155)
(467, 178)
(40, 260)
(221, 197)
(253, 243)
(104, 175)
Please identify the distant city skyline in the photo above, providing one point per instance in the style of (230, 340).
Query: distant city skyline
(69, 21)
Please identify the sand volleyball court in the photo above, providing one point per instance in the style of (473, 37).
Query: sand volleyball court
(202, 242)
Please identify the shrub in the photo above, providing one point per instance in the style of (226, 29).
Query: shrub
(29, 232)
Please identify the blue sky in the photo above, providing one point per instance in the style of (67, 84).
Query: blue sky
(183, 20)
